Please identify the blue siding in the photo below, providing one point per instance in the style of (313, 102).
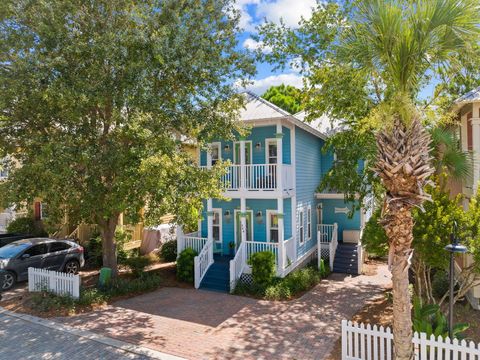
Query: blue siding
(257, 135)
(308, 174)
(343, 220)
(259, 226)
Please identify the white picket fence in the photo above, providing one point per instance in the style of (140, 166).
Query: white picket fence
(53, 281)
(364, 342)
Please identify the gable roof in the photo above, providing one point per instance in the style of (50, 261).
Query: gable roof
(257, 108)
(469, 97)
(323, 123)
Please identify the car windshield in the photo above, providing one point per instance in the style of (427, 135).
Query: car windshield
(12, 250)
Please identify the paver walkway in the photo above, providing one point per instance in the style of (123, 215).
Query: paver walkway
(28, 337)
(198, 324)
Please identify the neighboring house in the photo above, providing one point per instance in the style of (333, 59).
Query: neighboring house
(468, 109)
(271, 180)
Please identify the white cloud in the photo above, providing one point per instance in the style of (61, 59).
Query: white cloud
(291, 11)
(251, 44)
(259, 86)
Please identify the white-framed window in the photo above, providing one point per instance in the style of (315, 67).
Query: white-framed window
(309, 222)
(301, 227)
(272, 226)
(215, 152)
(3, 169)
(43, 211)
(271, 151)
(217, 225)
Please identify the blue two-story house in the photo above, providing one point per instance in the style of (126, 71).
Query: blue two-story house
(271, 181)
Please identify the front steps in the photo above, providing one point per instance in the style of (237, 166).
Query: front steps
(346, 259)
(217, 277)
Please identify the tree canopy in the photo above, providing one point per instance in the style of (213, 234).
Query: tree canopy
(98, 98)
(286, 97)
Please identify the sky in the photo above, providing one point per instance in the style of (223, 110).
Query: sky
(254, 13)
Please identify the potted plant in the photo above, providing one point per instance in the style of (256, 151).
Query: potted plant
(231, 247)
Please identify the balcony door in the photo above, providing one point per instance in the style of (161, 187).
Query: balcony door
(248, 153)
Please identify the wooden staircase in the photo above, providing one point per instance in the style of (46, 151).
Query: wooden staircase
(217, 277)
(346, 259)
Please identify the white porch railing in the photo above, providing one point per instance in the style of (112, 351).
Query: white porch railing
(195, 241)
(364, 342)
(327, 241)
(53, 281)
(253, 247)
(237, 265)
(290, 253)
(202, 262)
(257, 177)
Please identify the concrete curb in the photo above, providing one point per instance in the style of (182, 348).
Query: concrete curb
(122, 345)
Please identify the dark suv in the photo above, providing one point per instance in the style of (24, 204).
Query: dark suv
(42, 253)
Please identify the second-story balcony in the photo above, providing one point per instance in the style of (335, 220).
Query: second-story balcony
(258, 178)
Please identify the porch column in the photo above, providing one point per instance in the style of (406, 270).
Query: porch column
(476, 145)
(242, 164)
(210, 220)
(243, 219)
(279, 136)
(282, 258)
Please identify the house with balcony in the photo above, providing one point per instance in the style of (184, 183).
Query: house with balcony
(467, 108)
(271, 181)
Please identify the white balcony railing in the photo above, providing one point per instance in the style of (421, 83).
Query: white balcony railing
(258, 177)
(327, 237)
(202, 262)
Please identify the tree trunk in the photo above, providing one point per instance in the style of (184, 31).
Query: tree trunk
(109, 251)
(399, 231)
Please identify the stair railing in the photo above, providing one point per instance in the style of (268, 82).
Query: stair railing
(202, 262)
(333, 245)
(237, 265)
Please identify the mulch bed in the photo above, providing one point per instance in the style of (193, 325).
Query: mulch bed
(22, 302)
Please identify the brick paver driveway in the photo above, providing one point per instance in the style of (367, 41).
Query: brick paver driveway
(199, 324)
(21, 339)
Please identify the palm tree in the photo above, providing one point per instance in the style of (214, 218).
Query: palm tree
(400, 42)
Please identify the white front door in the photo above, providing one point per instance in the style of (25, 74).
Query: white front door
(238, 227)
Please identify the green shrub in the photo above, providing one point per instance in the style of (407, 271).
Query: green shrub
(294, 283)
(123, 287)
(263, 267)
(94, 251)
(324, 269)
(374, 238)
(168, 252)
(429, 319)
(45, 301)
(185, 265)
(25, 225)
(137, 264)
(440, 284)
(279, 291)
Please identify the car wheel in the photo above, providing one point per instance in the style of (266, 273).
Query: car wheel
(71, 267)
(9, 281)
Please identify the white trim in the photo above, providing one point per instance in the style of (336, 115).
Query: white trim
(309, 222)
(220, 224)
(268, 213)
(270, 141)
(217, 144)
(42, 217)
(235, 150)
(301, 225)
(235, 225)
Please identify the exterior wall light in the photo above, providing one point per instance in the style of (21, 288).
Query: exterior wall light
(259, 216)
(258, 146)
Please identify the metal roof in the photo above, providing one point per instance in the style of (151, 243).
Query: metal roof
(469, 97)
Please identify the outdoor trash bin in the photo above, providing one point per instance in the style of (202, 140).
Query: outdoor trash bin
(105, 277)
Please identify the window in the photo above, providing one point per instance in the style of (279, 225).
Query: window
(309, 222)
(301, 226)
(215, 152)
(217, 225)
(43, 211)
(272, 157)
(272, 226)
(58, 246)
(3, 169)
(36, 250)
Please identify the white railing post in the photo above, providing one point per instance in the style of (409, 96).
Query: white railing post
(281, 238)
(279, 170)
(196, 267)
(180, 239)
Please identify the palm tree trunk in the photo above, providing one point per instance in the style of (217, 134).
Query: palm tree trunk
(399, 231)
